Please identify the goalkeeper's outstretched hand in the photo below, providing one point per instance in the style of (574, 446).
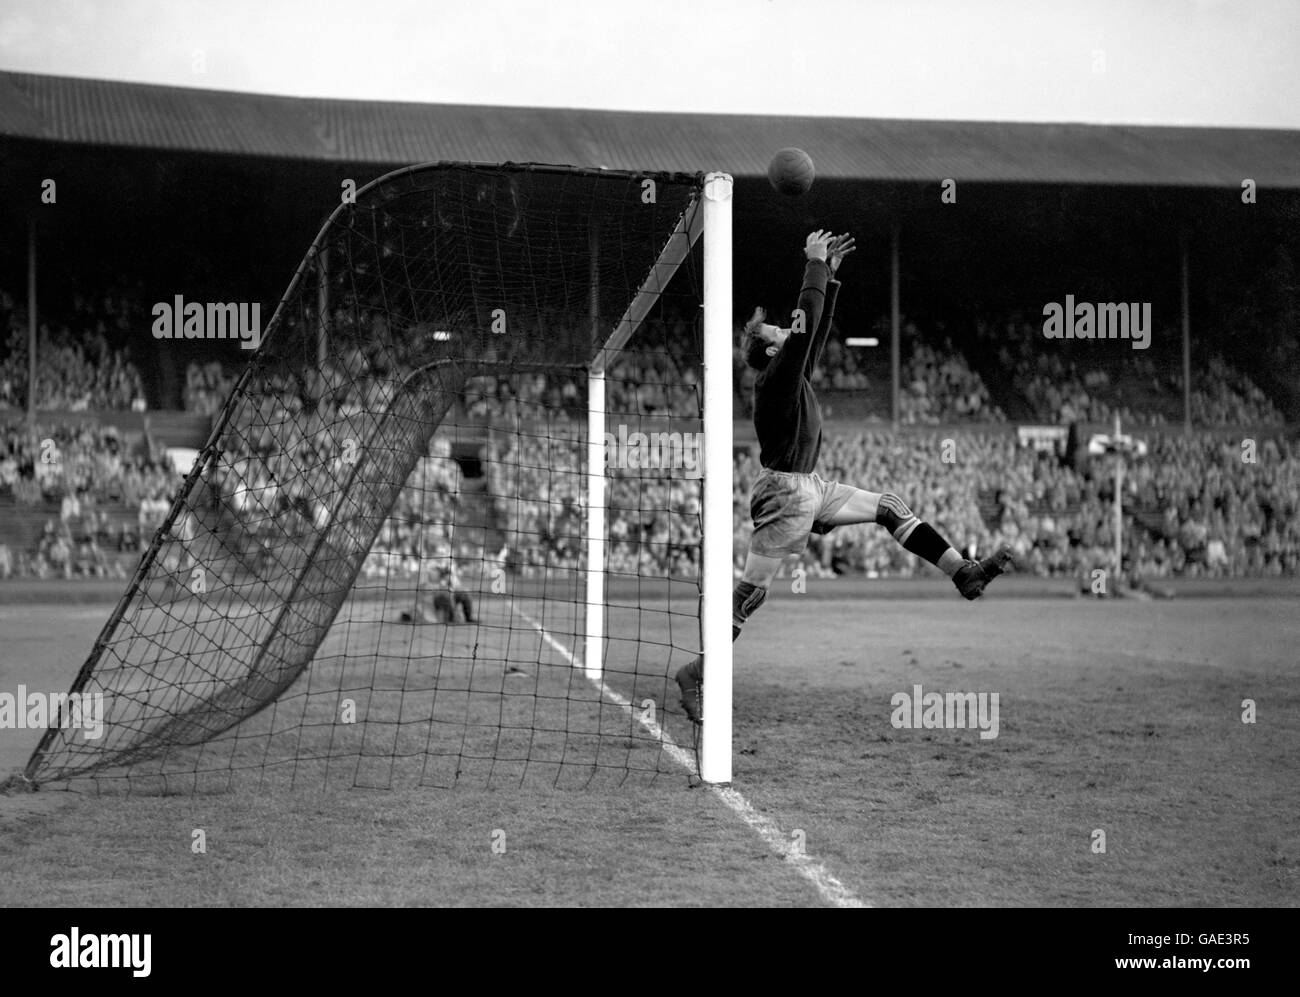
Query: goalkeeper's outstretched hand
(817, 245)
(839, 248)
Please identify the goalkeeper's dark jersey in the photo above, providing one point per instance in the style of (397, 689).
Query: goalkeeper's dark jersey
(787, 417)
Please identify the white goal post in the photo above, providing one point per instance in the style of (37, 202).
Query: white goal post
(711, 217)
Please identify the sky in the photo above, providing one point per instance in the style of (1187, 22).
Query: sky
(1172, 62)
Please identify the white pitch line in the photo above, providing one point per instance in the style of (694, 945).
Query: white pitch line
(25, 611)
(831, 889)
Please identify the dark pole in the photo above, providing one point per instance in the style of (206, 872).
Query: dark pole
(893, 324)
(31, 323)
(1187, 339)
(593, 250)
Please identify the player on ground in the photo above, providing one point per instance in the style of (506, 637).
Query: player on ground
(790, 500)
(449, 595)
(440, 578)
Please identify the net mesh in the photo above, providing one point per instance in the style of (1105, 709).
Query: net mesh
(375, 574)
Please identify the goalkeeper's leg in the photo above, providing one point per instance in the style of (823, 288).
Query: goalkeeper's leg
(846, 505)
(784, 509)
(748, 595)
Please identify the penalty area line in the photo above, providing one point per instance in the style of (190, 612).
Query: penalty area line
(827, 885)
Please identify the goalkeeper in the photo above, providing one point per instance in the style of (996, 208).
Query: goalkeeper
(790, 500)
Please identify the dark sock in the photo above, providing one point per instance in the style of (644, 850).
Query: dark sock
(924, 541)
(744, 601)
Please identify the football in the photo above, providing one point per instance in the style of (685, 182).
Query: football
(791, 172)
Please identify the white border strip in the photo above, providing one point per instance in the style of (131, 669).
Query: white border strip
(831, 889)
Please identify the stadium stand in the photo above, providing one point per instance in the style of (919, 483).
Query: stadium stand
(1094, 382)
(1194, 508)
(206, 387)
(72, 498)
(77, 369)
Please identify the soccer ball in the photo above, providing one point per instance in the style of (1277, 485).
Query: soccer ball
(791, 172)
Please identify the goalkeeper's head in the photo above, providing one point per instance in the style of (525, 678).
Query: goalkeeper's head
(761, 340)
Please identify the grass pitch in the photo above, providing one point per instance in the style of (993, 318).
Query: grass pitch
(1120, 717)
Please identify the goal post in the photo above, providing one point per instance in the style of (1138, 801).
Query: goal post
(716, 580)
(412, 559)
(711, 217)
(594, 642)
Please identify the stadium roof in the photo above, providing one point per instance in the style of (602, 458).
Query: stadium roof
(101, 112)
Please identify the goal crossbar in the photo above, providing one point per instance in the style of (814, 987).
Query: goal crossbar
(689, 228)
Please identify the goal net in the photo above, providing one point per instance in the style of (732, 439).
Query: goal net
(450, 523)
